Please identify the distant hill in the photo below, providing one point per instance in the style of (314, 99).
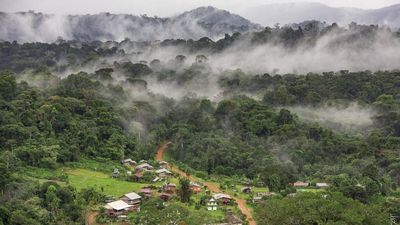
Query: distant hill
(285, 13)
(200, 22)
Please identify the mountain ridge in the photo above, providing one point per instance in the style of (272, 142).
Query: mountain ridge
(195, 24)
(286, 13)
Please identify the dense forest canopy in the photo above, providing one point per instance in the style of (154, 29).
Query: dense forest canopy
(68, 101)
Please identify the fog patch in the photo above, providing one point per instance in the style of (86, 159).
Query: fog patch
(348, 119)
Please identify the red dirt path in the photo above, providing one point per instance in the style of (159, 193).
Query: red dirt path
(241, 202)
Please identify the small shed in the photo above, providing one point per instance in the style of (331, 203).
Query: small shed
(322, 185)
(300, 184)
(246, 190)
(165, 196)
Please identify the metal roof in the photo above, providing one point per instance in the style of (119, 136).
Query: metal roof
(132, 196)
(118, 205)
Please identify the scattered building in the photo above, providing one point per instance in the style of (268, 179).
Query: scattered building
(129, 162)
(156, 179)
(257, 199)
(322, 185)
(163, 164)
(115, 173)
(132, 199)
(165, 196)
(196, 188)
(118, 208)
(300, 184)
(169, 188)
(163, 173)
(145, 192)
(144, 167)
(246, 190)
(223, 198)
(266, 194)
(212, 204)
(138, 176)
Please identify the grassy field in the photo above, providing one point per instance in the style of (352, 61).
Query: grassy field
(83, 178)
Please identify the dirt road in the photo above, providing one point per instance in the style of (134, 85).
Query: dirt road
(214, 188)
(91, 218)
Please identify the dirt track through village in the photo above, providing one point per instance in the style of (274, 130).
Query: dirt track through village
(214, 188)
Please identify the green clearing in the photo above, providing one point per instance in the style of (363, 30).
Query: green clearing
(83, 178)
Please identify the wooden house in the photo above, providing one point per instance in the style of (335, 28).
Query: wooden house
(169, 188)
(300, 184)
(132, 199)
(118, 208)
(163, 173)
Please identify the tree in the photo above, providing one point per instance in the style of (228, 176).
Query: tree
(184, 191)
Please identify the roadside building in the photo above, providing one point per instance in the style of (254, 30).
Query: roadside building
(222, 198)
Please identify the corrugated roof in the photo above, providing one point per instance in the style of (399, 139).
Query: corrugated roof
(118, 205)
(132, 196)
(220, 195)
(163, 171)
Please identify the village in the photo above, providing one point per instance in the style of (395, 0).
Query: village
(131, 202)
(165, 184)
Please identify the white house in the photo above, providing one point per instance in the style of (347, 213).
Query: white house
(163, 172)
(322, 185)
(212, 205)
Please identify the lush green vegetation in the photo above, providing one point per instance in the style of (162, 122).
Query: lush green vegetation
(61, 136)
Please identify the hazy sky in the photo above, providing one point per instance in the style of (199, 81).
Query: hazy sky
(161, 7)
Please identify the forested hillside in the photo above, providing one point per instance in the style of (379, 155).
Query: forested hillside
(68, 102)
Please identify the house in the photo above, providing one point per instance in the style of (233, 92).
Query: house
(132, 199)
(145, 192)
(266, 194)
(118, 208)
(165, 196)
(300, 184)
(223, 198)
(144, 167)
(212, 204)
(128, 162)
(246, 190)
(142, 161)
(257, 199)
(169, 188)
(137, 176)
(233, 219)
(291, 195)
(196, 188)
(163, 164)
(163, 173)
(322, 185)
(156, 179)
(115, 173)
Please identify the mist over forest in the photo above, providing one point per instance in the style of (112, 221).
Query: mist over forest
(308, 103)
